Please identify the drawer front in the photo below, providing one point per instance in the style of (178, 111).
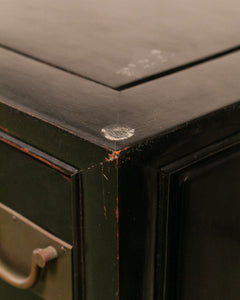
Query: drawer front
(45, 191)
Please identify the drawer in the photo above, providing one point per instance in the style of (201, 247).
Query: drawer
(45, 191)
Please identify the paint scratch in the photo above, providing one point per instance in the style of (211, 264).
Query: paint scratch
(114, 155)
(105, 177)
(149, 62)
(103, 195)
(105, 211)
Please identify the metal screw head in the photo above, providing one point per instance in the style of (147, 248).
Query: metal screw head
(64, 250)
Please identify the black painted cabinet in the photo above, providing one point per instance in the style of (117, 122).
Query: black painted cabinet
(119, 150)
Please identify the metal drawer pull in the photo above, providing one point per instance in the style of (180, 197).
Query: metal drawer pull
(39, 259)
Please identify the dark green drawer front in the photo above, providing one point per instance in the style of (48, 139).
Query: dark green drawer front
(42, 189)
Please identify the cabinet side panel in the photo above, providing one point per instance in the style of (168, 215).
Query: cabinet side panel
(203, 259)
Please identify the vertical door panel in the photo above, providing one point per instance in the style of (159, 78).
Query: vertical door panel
(198, 247)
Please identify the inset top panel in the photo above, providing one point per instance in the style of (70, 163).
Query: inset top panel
(118, 42)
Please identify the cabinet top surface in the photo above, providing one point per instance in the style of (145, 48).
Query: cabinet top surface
(117, 43)
(118, 119)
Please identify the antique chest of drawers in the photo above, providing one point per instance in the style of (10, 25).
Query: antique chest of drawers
(119, 150)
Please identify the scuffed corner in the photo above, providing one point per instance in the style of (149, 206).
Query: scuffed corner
(115, 155)
(101, 225)
(110, 209)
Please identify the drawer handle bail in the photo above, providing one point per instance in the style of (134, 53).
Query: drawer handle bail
(40, 257)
